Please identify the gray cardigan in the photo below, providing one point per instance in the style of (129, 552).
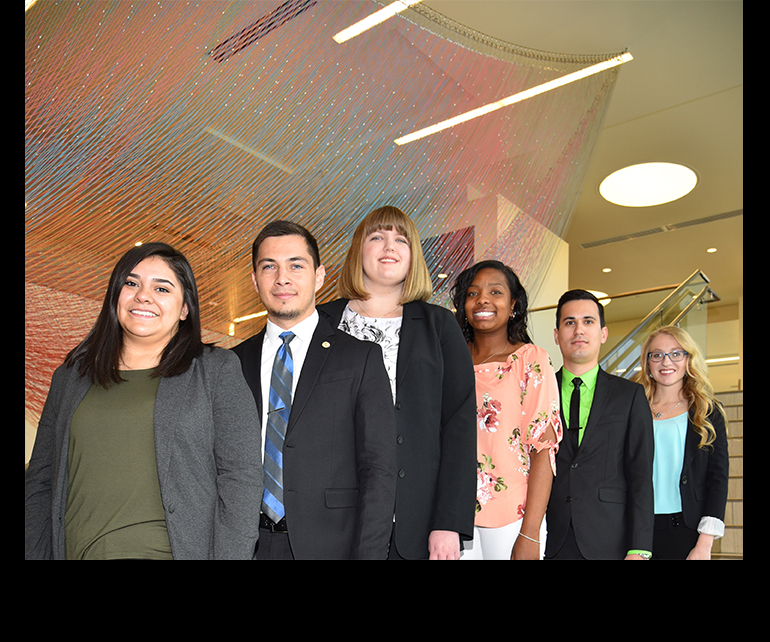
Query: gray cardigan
(207, 447)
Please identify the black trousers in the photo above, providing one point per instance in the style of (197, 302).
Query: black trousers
(672, 540)
(273, 546)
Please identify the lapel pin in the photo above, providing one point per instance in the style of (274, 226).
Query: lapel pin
(326, 344)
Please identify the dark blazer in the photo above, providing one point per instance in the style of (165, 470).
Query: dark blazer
(436, 426)
(705, 472)
(339, 458)
(605, 486)
(207, 451)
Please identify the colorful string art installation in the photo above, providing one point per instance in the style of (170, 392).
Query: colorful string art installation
(195, 123)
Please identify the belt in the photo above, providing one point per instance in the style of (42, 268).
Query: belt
(268, 524)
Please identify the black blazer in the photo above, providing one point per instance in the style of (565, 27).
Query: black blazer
(605, 486)
(340, 447)
(705, 472)
(436, 427)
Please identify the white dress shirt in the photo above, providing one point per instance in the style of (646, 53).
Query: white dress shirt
(299, 345)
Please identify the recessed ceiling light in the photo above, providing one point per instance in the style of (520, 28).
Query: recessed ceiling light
(711, 250)
(648, 184)
(606, 270)
(602, 296)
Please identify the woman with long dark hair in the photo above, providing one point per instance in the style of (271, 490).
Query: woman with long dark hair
(148, 446)
(517, 411)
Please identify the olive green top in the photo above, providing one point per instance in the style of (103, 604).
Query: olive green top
(114, 508)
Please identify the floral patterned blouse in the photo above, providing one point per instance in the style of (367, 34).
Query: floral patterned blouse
(386, 332)
(516, 401)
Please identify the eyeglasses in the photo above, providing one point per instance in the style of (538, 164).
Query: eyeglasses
(676, 355)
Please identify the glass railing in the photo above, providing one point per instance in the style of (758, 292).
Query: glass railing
(685, 307)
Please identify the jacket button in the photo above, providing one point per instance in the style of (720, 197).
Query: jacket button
(398, 405)
(401, 473)
(684, 479)
(569, 499)
(400, 439)
(574, 464)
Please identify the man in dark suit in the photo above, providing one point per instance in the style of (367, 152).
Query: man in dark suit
(601, 504)
(328, 423)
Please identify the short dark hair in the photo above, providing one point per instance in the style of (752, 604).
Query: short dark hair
(285, 228)
(578, 295)
(99, 353)
(517, 326)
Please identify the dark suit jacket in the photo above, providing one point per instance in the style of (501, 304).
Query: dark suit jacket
(340, 447)
(207, 451)
(605, 486)
(436, 426)
(705, 471)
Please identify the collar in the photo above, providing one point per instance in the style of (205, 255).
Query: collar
(588, 379)
(303, 330)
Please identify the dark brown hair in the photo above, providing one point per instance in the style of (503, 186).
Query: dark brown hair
(98, 355)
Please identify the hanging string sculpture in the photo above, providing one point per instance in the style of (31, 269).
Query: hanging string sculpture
(195, 123)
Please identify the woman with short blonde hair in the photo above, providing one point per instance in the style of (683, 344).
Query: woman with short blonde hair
(417, 286)
(384, 288)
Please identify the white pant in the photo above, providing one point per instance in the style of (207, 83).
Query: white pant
(497, 543)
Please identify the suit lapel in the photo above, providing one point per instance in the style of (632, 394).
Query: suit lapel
(407, 339)
(168, 403)
(320, 346)
(252, 370)
(601, 396)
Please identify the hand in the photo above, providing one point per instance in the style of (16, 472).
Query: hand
(444, 545)
(524, 549)
(702, 549)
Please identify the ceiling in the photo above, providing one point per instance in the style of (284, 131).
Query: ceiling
(680, 100)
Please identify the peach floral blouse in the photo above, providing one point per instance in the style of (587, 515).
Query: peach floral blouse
(516, 401)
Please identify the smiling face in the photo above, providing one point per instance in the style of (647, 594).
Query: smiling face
(580, 335)
(488, 303)
(151, 303)
(385, 257)
(667, 372)
(285, 279)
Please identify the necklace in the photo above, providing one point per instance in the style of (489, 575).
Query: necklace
(507, 345)
(363, 309)
(658, 414)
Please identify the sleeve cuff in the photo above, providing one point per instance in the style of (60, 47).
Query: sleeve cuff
(711, 526)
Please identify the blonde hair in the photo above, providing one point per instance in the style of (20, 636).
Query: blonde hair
(696, 387)
(417, 285)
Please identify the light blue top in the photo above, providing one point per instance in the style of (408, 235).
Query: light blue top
(667, 463)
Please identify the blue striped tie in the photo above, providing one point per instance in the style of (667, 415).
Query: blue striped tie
(277, 420)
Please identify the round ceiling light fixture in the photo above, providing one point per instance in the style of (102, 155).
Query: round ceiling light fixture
(648, 184)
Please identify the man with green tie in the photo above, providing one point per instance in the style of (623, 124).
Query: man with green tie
(601, 504)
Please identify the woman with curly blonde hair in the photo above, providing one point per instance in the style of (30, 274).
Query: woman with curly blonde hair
(690, 470)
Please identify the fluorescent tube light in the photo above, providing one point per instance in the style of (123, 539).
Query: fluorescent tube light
(516, 98)
(376, 18)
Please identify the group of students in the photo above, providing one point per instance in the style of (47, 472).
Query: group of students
(375, 426)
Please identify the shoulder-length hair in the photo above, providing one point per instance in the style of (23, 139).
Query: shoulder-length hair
(517, 325)
(98, 355)
(417, 285)
(697, 388)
